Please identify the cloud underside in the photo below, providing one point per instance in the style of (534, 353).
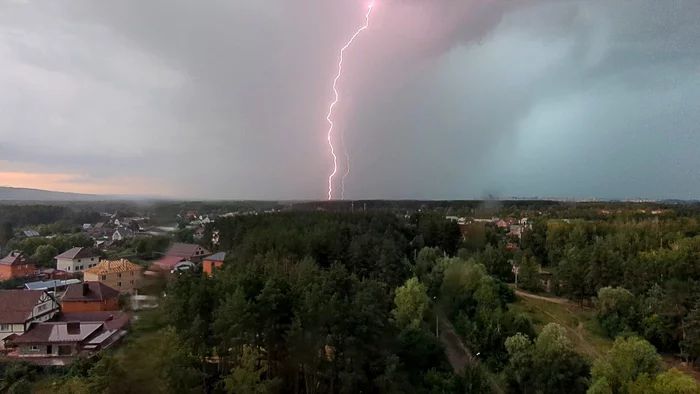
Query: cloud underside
(440, 99)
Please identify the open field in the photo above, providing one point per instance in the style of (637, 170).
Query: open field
(580, 323)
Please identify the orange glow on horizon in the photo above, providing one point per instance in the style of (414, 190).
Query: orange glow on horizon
(75, 183)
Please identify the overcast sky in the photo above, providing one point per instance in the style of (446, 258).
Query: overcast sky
(441, 99)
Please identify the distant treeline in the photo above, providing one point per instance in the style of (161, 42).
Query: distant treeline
(33, 215)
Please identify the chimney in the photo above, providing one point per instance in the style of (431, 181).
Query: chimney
(86, 288)
(73, 328)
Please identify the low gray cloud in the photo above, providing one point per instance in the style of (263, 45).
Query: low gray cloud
(441, 99)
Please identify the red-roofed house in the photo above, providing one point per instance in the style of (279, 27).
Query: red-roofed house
(191, 252)
(20, 308)
(170, 264)
(90, 297)
(15, 265)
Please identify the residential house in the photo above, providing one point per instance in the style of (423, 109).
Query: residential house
(77, 259)
(74, 334)
(20, 308)
(199, 233)
(122, 275)
(191, 252)
(90, 297)
(87, 226)
(212, 262)
(122, 233)
(501, 223)
(452, 218)
(104, 244)
(100, 230)
(15, 265)
(171, 263)
(516, 230)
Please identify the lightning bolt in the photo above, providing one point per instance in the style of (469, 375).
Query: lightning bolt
(329, 118)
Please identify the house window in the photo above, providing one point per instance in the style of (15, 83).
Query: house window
(92, 259)
(78, 260)
(104, 277)
(69, 268)
(34, 348)
(119, 284)
(132, 273)
(131, 282)
(119, 274)
(4, 327)
(42, 308)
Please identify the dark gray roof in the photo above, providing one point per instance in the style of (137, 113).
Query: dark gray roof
(89, 291)
(77, 253)
(221, 256)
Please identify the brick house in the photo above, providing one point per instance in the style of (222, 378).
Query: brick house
(212, 262)
(20, 308)
(77, 259)
(122, 275)
(90, 297)
(15, 265)
(74, 334)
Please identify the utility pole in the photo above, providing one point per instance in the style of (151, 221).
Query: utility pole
(437, 325)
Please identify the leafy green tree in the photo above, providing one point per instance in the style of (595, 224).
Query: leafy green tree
(411, 303)
(6, 233)
(426, 260)
(549, 365)
(248, 376)
(44, 255)
(616, 309)
(690, 345)
(672, 381)
(628, 359)
(529, 274)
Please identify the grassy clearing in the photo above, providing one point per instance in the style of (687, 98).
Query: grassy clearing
(581, 323)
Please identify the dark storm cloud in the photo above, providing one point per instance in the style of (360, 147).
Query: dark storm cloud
(441, 99)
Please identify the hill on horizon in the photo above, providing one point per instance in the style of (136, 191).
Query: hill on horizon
(8, 193)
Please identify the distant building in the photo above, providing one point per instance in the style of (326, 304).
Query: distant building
(31, 233)
(90, 297)
(122, 233)
(516, 230)
(210, 263)
(15, 265)
(122, 275)
(20, 308)
(77, 260)
(191, 252)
